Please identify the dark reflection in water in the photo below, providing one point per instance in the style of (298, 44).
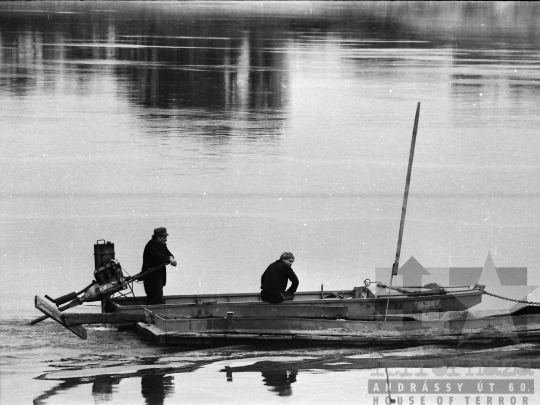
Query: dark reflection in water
(103, 387)
(233, 62)
(56, 390)
(156, 387)
(228, 372)
(279, 381)
(215, 66)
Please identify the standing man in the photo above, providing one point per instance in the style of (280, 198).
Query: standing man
(274, 280)
(156, 254)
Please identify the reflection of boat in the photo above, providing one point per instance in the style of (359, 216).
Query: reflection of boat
(362, 303)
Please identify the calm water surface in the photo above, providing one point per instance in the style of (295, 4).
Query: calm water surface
(248, 129)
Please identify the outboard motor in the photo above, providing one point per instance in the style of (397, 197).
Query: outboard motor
(109, 278)
(108, 272)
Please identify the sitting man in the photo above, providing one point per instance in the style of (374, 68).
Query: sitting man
(274, 280)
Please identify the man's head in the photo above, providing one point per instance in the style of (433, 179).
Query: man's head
(160, 234)
(287, 257)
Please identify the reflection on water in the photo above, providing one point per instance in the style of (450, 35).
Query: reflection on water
(352, 372)
(220, 75)
(156, 387)
(214, 92)
(228, 373)
(280, 381)
(103, 387)
(55, 391)
(214, 73)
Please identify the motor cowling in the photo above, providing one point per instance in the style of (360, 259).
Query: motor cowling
(109, 278)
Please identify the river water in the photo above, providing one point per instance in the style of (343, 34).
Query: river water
(249, 129)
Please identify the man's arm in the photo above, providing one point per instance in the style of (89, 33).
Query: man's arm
(294, 282)
(156, 255)
(172, 260)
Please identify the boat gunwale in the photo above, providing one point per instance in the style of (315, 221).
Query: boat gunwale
(327, 301)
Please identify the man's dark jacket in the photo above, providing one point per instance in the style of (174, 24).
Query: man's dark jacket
(276, 276)
(155, 254)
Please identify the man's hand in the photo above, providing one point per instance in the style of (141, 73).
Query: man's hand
(173, 261)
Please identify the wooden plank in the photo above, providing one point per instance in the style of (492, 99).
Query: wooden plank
(44, 306)
(212, 337)
(113, 317)
(250, 310)
(178, 325)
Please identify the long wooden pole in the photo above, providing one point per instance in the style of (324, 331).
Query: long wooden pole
(404, 208)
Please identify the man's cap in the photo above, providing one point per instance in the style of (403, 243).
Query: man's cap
(160, 232)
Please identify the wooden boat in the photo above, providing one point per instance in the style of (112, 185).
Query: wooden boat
(362, 303)
(304, 325)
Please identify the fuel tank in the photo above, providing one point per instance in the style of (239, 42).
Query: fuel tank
(103, 253)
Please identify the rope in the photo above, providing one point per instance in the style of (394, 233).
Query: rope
(438, 290)
(431, 288)
(368, 282)
(477, 286)
(379, 284)
(511, 299)
(401, 290)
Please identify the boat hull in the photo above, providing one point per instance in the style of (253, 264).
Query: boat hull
(359, 308)
(306, 332)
